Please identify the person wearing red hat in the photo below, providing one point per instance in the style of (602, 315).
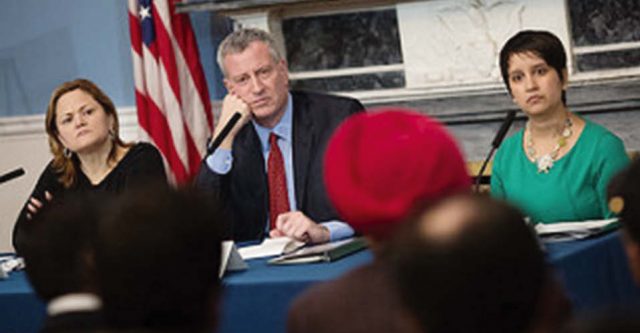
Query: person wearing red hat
(378, 166)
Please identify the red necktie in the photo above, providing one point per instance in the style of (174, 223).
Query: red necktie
(278, 195)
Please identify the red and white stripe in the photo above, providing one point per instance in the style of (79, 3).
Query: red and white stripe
(174, 110)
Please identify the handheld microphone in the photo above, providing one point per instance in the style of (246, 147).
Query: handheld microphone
(11, 175)
(497, 140)
(213, 144)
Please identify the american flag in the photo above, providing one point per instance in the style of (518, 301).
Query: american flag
(174, 110)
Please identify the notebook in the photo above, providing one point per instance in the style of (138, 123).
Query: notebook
(322, 253)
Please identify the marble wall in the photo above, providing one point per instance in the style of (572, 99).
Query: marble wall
(597, 22)
(605, 22)
(344, 41)
(448, 58)
(346, 83)
(347, 40)
(608, 60)
(455, 43)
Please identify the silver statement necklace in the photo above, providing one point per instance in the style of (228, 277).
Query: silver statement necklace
(545, 162)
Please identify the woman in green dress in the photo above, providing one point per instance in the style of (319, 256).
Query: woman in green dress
(557, 167)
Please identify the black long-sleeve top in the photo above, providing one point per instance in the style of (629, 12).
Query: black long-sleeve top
(142, 164)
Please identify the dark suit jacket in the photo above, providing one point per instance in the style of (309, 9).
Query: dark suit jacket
(363, 300)
(244, 190)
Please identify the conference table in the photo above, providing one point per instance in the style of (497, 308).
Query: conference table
(594, 271)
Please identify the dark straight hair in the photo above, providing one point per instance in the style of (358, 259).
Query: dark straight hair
(541, 43)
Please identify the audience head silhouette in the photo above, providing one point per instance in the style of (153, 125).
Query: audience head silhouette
(59, 260)
(59, 255)
(158, 257)
(380, 164)
(469, 264)
(624, 199)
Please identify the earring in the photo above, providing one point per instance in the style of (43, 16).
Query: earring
(66, 152)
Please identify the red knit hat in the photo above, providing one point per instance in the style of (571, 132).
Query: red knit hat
(379, 164)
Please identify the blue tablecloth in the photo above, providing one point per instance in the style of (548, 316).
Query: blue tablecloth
(257, 300)
(20, 310)
(594, 271)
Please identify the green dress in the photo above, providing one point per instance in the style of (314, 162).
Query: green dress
(575, 189)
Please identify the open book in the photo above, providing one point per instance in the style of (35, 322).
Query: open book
(574, 230)
(322, 253)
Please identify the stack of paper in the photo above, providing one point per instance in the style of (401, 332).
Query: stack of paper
(563, 231)
(270, 247)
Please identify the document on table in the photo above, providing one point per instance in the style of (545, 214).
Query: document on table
(9, 264)
(270, 247)
(322, 253)
(563, 231)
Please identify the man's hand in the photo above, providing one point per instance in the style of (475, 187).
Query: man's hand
(230, 105)
(300, 227)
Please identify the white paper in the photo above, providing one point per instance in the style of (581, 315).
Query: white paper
(10, 264)
(578, 226)
(270, 247)
(574, 230)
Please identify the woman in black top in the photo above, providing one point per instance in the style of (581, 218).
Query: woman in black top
(88, 153)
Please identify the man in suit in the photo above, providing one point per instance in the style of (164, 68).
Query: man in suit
(59, 263)
(267, 171)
